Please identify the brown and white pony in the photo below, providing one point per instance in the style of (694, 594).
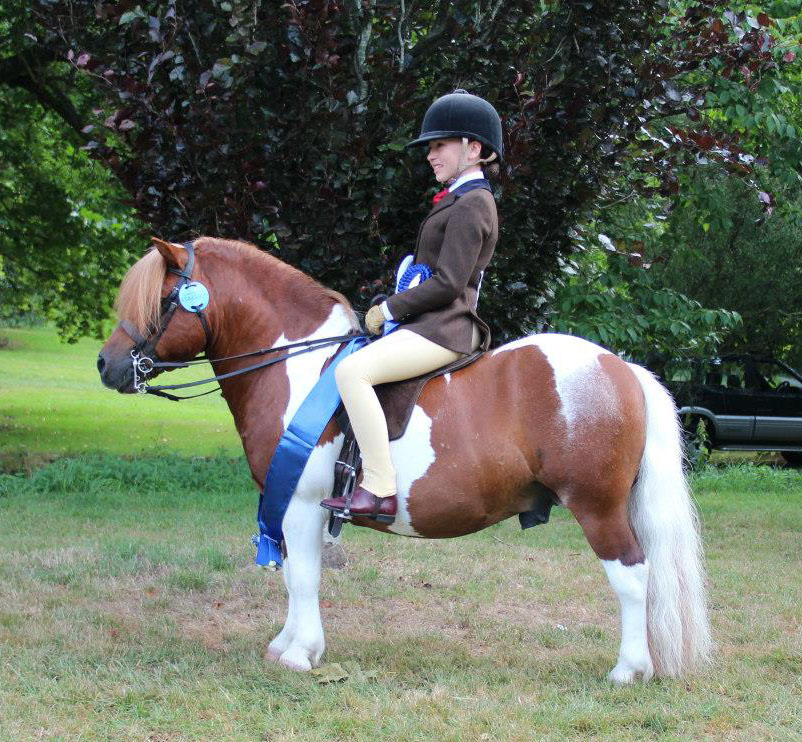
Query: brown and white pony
(544, 413)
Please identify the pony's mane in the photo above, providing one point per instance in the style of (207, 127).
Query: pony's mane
(139, 298)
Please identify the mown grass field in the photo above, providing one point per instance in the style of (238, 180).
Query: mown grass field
(53, 404)
(130, 610)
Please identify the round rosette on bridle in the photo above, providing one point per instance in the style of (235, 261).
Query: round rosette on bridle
(193, 296)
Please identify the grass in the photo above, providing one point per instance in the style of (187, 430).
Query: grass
(130, 610)
(53, 404)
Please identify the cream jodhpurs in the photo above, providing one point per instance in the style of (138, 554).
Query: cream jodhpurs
(402, 354)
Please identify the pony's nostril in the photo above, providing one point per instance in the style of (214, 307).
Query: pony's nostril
(101, 364)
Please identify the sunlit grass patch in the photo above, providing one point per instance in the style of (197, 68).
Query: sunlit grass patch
(52, 403)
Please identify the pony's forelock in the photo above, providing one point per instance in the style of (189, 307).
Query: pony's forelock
(139, 298)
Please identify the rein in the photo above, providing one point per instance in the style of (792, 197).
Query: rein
(145, 361)
(144, 366)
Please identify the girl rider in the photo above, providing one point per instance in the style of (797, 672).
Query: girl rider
(439, 321)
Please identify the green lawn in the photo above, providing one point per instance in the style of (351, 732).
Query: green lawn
(130, 608)
(52, 403)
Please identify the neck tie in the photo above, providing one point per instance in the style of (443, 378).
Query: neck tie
(440, 196)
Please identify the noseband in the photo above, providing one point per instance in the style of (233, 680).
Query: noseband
(143, 354)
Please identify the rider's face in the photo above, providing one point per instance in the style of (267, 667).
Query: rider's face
(444, 157)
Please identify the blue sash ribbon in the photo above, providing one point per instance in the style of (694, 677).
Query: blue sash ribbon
(290, 457)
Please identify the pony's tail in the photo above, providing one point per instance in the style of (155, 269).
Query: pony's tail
(664, 520)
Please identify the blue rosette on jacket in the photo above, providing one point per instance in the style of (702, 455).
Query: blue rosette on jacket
(408, 276)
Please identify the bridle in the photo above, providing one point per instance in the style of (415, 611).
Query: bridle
(145, 360)
(143, 354)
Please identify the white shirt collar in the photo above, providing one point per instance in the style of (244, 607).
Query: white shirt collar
(464, 179)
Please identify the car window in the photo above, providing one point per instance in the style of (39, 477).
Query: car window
(712, 375)
(768, 376)
(733, 374)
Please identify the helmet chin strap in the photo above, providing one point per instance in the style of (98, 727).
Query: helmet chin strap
(463, 164)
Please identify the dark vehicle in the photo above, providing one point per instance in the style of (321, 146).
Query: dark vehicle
(738, 403)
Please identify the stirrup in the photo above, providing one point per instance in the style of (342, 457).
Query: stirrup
(345, 471)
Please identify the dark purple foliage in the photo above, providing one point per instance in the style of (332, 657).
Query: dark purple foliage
(260, 119)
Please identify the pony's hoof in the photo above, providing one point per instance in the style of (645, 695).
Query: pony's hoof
(297, 661)
(273, 655)
(624, 674)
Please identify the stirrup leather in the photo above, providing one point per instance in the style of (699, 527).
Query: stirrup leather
(346, 469)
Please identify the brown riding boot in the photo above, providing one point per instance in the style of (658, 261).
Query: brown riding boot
(364, 502)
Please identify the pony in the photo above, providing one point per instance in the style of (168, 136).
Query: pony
(546, 413)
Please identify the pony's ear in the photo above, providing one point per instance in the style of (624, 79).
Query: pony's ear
(174, 255)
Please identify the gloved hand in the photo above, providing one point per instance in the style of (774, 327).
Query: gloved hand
(374, 320)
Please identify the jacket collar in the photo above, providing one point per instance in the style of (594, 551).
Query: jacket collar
(463, 179)
(449, 199)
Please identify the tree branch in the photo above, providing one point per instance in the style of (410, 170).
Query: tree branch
(441, 28)
(19, 71)
(363, 26)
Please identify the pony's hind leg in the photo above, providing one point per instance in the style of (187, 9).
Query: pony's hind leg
(630, 584)
(612, 540)
(300, 643)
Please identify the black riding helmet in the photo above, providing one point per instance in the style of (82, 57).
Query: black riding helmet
(460, 114)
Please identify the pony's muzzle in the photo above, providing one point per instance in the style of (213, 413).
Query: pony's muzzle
(115, 375)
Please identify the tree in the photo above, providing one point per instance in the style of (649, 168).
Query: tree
(713, 240)
(64, 242)
(724, 254)
(616, 301)
(65, 236)
(284, 123)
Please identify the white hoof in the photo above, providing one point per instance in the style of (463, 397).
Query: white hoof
(296, 659)
(278, 646)
(625, 674)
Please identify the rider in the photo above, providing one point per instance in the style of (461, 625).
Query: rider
(438, 316)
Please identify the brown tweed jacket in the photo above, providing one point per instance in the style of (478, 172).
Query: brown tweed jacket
(456, 240)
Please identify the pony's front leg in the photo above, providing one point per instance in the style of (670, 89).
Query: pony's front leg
(300, 643)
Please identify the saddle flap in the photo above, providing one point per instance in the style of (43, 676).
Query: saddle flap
(398, 398)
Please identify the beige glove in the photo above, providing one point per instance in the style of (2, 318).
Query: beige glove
(374, 320)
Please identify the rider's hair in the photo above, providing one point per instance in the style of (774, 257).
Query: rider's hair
(491, 169)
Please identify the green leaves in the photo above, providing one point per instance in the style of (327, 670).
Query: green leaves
(65, 238)
(131, 16)
(623, 308)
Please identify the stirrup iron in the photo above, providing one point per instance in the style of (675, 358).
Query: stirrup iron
(345, 471)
